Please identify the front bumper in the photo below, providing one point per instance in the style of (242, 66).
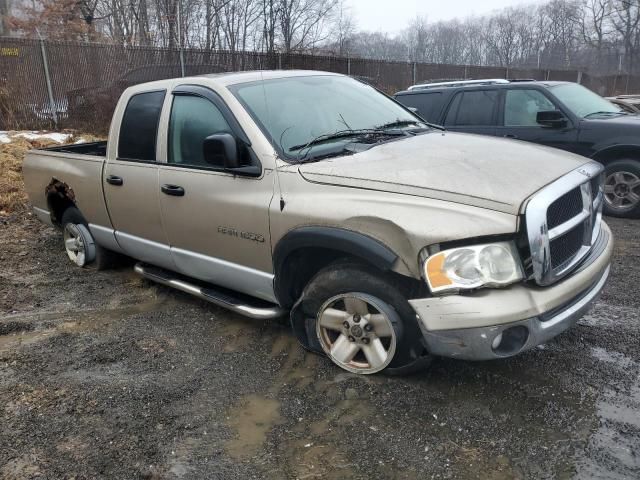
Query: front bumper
(493, 323)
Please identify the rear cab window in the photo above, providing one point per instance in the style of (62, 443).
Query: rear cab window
(473, 108)
(139, 127)
(429, 104)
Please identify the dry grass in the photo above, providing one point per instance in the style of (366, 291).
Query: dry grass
(13, 198)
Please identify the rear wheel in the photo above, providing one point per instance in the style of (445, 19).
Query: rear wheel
(622, 189)
(80, 245)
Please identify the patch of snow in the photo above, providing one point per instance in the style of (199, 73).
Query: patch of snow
(6, 137)
(56, 137)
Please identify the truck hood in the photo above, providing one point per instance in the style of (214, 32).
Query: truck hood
(476, 170)
(615, 121)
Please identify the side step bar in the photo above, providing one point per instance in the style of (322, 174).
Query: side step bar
(249, 308)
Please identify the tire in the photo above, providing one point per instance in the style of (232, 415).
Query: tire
(622, 189)
(93, 255)
(357, 317)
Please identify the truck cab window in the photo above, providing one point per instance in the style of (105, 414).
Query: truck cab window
(192, 120)
(522, 106)
(472, 108)
(429, 104)
(139, 128)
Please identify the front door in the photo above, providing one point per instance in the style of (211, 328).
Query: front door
(131, 182)
(217, 222)
(519, 120)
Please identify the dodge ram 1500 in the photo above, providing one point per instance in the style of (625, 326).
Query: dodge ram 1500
(385, 239)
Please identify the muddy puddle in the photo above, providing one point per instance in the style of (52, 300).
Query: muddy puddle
(250, 422)
(615, 440)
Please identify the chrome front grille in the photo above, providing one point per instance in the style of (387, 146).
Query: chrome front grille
(563, 222)
(564, 208)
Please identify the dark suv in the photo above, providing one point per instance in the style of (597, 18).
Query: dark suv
(558, 114)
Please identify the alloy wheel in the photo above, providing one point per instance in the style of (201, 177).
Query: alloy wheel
(356, 333)
(622, 191)
(74, 244)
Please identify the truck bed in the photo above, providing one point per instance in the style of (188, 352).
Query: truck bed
(98, 149)
(79, 166)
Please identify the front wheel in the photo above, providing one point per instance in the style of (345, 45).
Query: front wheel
(622, 189)
(358, 332)
(359, 318)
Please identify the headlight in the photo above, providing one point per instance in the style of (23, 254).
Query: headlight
(464, 268)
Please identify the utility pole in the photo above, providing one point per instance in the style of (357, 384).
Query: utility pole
(180, 37)
(620, 63)
(539, 57)
(4, 12)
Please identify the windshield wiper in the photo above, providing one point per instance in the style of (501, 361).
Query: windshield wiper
(605, 113)
(341, 134)
(399, 123)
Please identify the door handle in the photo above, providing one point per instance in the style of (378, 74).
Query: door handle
(115, 180)
(510, 135)
(174, 190)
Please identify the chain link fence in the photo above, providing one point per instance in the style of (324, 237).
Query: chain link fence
(54, 84)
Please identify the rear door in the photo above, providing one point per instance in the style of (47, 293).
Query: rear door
(473, 111)
(130, 181)
(519, 111)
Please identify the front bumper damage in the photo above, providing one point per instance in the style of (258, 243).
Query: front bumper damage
(491, 324)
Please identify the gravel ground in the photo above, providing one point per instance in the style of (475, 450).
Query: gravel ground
(104, 375)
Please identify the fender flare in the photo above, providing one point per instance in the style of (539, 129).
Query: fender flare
(353, 243)
(602, 155)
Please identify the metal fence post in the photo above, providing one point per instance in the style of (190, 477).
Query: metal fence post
(579, 80)
(415, 67)
(626, 87)
(47, 76)
(349, 66)
(279, 60)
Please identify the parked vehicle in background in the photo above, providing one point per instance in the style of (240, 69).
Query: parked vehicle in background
(628, 103)
(558, 114)
(387, 240)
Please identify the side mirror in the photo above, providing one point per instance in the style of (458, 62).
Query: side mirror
(414, 110)
(551, 119)
(221, 150)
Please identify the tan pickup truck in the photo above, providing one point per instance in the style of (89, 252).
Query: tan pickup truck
(385, 239)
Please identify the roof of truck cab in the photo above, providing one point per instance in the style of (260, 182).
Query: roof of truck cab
(234, 78)
(226, 79)
(231, 78)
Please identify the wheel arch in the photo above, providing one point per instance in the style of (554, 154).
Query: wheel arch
(617, 152)
(302, 252)
(60, 196)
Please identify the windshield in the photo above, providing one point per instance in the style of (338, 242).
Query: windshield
(582, 101)
(294, 111)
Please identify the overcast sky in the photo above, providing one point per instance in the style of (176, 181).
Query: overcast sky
(394, 15)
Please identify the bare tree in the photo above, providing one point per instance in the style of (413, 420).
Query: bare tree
(344, 29)
(502, 37)
(302, 22)
(417, 37)
(625, 19)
